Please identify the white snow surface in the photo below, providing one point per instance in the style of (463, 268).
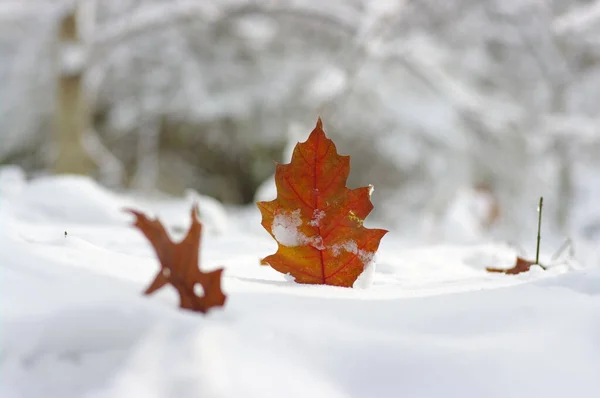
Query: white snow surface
(432, 323)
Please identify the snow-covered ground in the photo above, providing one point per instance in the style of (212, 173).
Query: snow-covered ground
(433, 323)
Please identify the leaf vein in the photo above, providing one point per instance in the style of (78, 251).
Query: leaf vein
(354, 256)
(300, 198)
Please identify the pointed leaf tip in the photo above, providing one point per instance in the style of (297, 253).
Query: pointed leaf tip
(319, 123)
(195, 211)
(317, 133)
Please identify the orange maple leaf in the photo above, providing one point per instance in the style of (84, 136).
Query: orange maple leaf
(521, 265)
(179, 265)
(316, 220)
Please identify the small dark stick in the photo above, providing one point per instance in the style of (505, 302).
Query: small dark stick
(537, 249)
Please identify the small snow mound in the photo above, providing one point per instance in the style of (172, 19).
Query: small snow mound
(285, 229)
(68, 198)
(536, 270)
(365, 279)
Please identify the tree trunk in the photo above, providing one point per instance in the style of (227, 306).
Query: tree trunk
(71, 110)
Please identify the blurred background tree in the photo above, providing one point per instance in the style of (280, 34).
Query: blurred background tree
(453, 109)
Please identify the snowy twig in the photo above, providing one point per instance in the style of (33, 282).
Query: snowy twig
(537, 247)
(153, 18)
(578, 19)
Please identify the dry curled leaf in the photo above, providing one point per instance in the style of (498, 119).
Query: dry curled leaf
(179, 265)
(316, 220)
(521, 265)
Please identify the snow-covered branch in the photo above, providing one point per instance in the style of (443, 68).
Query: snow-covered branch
(17, 9)
(578, 19)
(151, 18)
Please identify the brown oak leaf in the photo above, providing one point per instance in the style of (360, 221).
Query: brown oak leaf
(316, 220)
(521, 265)
(179, 265)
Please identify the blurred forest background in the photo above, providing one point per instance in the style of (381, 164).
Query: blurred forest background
(461, 113)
